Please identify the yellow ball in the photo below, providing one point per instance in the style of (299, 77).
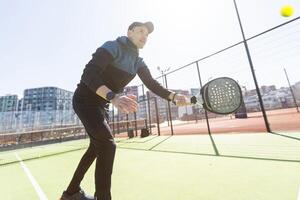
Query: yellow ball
(286, 11)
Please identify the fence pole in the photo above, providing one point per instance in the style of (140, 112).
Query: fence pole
(288, 80)
(206, 115)
(253, 72)
(169, 108)
(135, 124)
(157, 116)
(149, 111)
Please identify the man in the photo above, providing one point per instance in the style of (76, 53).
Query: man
(111, 68)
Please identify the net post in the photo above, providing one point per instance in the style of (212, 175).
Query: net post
(146, 124)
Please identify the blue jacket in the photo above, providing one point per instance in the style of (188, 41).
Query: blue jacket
(115, 64)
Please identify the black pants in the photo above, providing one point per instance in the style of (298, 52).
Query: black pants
(93, 113)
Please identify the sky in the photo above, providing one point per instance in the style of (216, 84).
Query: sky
(48, 43)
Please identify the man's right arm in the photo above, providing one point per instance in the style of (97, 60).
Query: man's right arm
(92, 78)
(94, 69)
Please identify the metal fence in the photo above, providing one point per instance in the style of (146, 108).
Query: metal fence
(247, 61)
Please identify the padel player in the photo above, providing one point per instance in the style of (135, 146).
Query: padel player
(111, 68)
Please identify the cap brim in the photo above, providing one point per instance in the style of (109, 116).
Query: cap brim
(149, 26)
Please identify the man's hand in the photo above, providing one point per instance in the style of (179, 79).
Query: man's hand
(181, 100)
(126, 103)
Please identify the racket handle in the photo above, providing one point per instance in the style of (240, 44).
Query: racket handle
(184, 104)
(193, 101)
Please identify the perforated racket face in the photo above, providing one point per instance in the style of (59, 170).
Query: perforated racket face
(222, 95)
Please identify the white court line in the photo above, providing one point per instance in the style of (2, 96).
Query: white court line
(298, 195)
(36, 186)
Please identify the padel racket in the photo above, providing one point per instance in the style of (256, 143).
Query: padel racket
(221, 95)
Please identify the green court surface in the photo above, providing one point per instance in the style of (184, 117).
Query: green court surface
(259, 166)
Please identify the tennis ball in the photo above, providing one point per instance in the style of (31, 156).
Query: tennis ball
(286, 11)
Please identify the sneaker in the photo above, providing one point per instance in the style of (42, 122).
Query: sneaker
(80, 195)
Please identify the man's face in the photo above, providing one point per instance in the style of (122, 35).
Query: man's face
(138, 36)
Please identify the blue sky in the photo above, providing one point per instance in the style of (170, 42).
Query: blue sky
(48, 43)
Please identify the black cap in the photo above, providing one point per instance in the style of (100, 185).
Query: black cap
(148, 25)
